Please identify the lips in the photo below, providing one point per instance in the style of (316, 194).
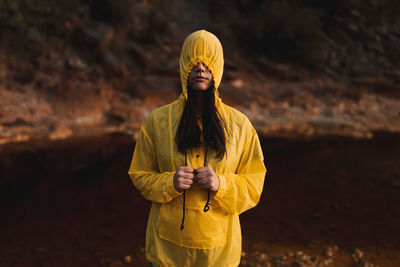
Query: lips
(200, 79)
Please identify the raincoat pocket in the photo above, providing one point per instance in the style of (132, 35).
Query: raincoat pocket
(203, 230)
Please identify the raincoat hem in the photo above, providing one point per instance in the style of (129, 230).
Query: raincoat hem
(199, 244)
(159, 263)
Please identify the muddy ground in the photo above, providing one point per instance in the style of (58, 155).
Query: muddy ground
(327, 202)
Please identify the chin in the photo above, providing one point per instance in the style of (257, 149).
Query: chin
(199, 87)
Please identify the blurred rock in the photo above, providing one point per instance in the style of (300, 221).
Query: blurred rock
(128, 259)
(141, 56)
(26, 73)
(299, 253)
(297, 264)
(357, 255)
(392, 47)
(329, 252)
(51, 61)
(112, 64)
(61, 133)
(327, 262)
(34, 34)
(76, 62)
(3, 73)
(94, 34)
(365, 263)
(353, 27)
(237, 83)
(374, 47)
(260, 257)
(362, 68)
(151, 85)
(114, 118)
(355, 13)
(17, 122)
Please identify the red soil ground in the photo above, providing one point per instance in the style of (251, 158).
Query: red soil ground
(71, 203)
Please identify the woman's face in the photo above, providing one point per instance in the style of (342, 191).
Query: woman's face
(200, 77)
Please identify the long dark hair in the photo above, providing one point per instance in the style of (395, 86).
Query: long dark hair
(214, 132)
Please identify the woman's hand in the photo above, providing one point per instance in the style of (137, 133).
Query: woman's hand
(207, 178)
(183, 178)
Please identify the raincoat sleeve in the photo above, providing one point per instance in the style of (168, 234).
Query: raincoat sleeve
(241, 190)
(144, 172)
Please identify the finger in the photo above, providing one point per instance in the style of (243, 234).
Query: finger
(185, 175)
(201, 175)
(188, 182)
(189, 176)
(203, 181)
(184, 170)
(205, 169)
(201, 169)
(187, 169)
(185, 186)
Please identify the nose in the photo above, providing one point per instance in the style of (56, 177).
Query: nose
(201, 67)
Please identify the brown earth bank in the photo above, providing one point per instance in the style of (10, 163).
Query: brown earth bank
(330, 201)
(295, 68)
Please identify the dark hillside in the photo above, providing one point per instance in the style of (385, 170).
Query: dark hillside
(321, 68)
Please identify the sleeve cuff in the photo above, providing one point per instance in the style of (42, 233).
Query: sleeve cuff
(169, 186)
(222, 187)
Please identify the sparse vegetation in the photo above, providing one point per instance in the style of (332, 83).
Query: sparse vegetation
(282, 31)
(45, 15)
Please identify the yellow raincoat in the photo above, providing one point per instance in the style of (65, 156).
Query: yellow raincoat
(210, 238)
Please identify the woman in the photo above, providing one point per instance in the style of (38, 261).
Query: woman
(200, 163)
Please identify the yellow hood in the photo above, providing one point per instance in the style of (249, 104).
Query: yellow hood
(201, 46)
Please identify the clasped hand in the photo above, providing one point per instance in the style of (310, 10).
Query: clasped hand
(185, 176)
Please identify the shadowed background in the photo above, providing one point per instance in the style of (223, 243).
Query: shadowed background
(318, 80)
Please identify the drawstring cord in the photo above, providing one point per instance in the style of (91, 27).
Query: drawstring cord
(207, 206)
(184, 197)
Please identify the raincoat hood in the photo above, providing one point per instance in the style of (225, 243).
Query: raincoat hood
(201, 46)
